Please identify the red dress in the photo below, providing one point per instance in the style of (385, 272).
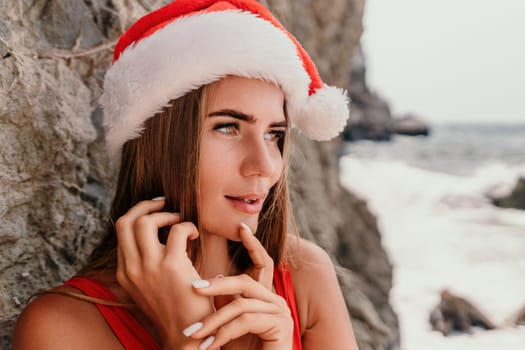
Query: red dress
(133, 336)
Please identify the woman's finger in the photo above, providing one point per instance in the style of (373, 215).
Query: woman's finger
(266, 326)
(178, 237)
(230, 312)
(243, 285)
(145, 207)
(124, 226)
(262, 262)
(146, 230)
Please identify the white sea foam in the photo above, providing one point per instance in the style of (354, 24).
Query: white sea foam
(441, 231)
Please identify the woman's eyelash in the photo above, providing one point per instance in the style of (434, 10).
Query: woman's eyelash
(231, 128)
(276, 135)
(226, 128)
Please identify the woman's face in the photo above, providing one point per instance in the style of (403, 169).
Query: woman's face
(240, 159)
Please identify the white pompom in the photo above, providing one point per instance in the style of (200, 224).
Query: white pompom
(325, 114)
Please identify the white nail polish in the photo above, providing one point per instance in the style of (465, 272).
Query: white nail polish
(190, 330)
(246, 228)
(159, 198)
(206, 343)
(201, 283)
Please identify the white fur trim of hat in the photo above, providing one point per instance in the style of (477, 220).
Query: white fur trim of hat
(199, 48)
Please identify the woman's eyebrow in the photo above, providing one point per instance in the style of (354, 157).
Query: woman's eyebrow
(244, 117)
(234, 114)
(283, 124)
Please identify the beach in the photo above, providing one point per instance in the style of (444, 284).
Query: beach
(440, 229)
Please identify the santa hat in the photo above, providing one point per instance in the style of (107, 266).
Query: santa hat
(189, 43)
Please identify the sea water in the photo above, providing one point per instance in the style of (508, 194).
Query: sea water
(440, 229)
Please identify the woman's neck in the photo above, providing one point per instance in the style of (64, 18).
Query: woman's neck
(215, 258)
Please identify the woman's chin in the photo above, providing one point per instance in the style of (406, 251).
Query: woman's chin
(231, 231)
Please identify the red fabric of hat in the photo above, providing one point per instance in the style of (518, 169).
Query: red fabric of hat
(165, 55)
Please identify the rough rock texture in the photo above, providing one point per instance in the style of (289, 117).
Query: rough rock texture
(454, 313)
(341, 223)
(516, 199)
(55, 181)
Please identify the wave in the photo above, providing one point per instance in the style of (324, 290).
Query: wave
(393, 182)
(441, 231)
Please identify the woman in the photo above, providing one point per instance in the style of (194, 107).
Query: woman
(198, 106)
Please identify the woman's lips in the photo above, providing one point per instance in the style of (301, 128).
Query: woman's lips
(246, 204)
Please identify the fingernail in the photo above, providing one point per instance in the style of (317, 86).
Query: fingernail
(220, 275)
(246, 228)
(200, 283)
(192, 329)
(161, 198)
(206, 343)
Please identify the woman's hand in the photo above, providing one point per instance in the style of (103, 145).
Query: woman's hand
(255, 317)
(159, 277)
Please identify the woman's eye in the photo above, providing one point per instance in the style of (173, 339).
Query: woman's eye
(275, 135)
(227, 129)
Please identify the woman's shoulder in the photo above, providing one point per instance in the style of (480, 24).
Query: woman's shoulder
(308, 263)
(311, 267)
(55, 321)
(324, 319)
(306, 256)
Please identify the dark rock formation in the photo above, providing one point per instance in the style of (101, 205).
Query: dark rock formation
(341, 223)
(55, 181)
(519, 318)
(409, 125)
(516, 199)
(454, 313)
(371, 118)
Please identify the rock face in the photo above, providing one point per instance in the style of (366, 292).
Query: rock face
(409, 125)
(519, 318)
(371, 118)
(457, 314)
(55, 180)
(516, 199)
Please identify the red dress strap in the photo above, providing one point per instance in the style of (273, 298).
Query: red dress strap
(131, 334)
(282, 279)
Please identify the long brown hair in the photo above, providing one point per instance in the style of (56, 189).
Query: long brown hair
(163, 161)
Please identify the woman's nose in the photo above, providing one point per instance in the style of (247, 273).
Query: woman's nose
(261, 158)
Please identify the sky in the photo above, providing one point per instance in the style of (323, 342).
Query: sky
(448, 60)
